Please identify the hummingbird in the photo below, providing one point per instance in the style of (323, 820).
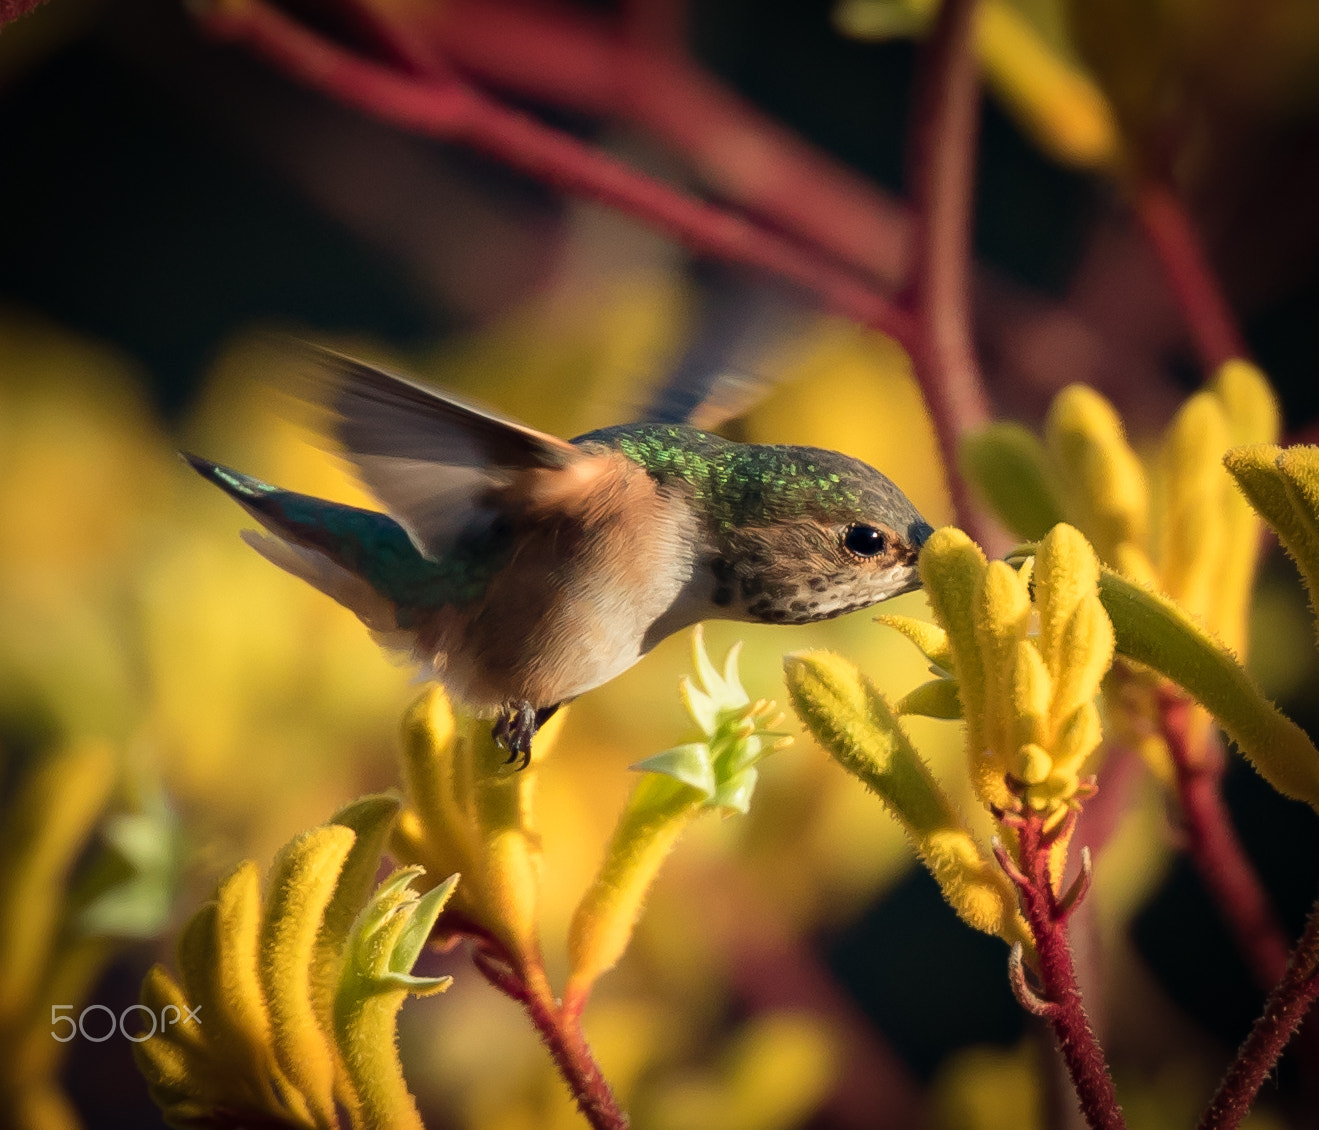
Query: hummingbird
(521, 570)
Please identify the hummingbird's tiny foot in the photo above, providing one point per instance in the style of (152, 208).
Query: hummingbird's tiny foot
(514, 731)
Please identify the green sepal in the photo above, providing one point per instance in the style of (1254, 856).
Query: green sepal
(931, 639)
(703, 709)
(385, 941)
(129, 891)
(936, 699)
(735, 793)
(677, 784)
(421, 920)
(417, 986)
(689, 764)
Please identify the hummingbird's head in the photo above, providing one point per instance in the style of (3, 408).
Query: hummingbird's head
(806, 534)
(778, 534)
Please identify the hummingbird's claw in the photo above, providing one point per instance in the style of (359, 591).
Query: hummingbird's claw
(515, 729)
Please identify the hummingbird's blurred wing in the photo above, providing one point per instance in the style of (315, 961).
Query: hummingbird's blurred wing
(743, 330)
(437, 464)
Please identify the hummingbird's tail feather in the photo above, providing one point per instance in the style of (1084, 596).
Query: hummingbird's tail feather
(327, 544)
(439, 465)
(321, 571)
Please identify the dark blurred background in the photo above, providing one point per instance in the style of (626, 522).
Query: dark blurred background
(162, 194)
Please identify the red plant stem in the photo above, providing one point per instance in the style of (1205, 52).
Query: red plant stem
(943, 152)
(1061, 1003)
(561, 1033)
(1286, 1007)
(1213, 328)
(449, 109)
(575, 61)
(1212, 844)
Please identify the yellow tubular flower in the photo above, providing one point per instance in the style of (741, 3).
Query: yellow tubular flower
(1252, 417)
(466, 812)
(1103, 483)
(1192, 536)
(1028, 700)
(1283, 485)
(1002, 610)
(951, 566)
(1040, 82)
(287, 1004)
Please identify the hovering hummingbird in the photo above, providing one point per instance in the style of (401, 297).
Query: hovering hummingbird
(522, 570)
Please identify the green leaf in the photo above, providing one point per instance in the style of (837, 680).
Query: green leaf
(129, 891)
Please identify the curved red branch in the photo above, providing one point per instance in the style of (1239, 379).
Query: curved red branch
(447, 108)
(943, 154)
(1217, 854)
(571, 60)
(1209, 319)
(11, 10)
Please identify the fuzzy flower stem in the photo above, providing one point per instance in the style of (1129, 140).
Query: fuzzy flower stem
(1059, 1001)
(1215, 850)
(1209, 319)
(1286, 1007)
(448, 108)
(560, 1030)
(942, 168)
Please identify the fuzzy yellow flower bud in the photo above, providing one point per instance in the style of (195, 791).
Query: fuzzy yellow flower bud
(1002, 610)
(1027, 700)
(1031, 692)
(253, 1034)
(951, 565)
(1253, 417)
(1102, 480)
(856, 725)
(1194, 491)
(465, 812)
(302, 882)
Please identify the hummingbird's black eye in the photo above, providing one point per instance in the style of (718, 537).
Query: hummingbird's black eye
(864, 541)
